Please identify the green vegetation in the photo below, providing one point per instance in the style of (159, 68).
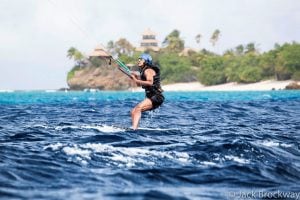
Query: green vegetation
(175, 68)
(212, 71)
(72, 72)
(173, 43)
(243, 64)
(78, 57)
(73, 53)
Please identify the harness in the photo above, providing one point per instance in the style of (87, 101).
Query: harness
(155, 88)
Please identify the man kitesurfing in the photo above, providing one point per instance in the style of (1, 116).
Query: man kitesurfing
(149, 79)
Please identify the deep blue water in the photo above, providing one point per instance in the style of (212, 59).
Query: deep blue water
(198, 145)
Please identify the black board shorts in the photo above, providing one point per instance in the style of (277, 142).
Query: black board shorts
(157, 100)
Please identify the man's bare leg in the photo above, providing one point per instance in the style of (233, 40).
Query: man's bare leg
(136, 112)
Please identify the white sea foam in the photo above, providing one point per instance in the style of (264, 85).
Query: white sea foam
(237, 159)
(121, 156)
(158, 129)
(286, 145)
(8, 91)
(104, 128)
(270, 143)
(207, 163)
(37, 126)
(77, 151)
(113, 129)
(109, 129)
(50, 91)
(101, 128)
(80, 160)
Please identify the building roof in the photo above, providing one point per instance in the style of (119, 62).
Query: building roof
(99, 52)
(148, 32)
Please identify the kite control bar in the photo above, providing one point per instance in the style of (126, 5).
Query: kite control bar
(123, 68)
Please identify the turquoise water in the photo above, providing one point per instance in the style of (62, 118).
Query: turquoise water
(63, 97)
(198, 145)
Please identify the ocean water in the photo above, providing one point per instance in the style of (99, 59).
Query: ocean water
(198, 145)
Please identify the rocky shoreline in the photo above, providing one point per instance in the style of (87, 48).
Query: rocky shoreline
(100, 78)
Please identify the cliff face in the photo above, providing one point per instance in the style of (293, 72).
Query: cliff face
(102, 78)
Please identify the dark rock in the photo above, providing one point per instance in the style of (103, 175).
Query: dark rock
(64, 89)
(293, 86)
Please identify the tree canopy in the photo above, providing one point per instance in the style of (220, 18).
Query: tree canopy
(243, 63)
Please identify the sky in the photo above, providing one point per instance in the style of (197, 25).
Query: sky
(35, 35)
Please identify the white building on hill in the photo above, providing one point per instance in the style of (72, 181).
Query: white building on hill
(149, 41)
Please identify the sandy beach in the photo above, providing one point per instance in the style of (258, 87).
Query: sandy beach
(196, 86)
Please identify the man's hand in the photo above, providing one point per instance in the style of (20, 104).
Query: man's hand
(136, 74)
(134, 77)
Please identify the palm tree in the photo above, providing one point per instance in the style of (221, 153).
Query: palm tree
(174, 34)
(229, 52)
(198, 38)
(215, 37)
(239, 49)
(173, 42)
(78, 56)
(123, 46)
(111, 47)
(250, 48)
(71, 52)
